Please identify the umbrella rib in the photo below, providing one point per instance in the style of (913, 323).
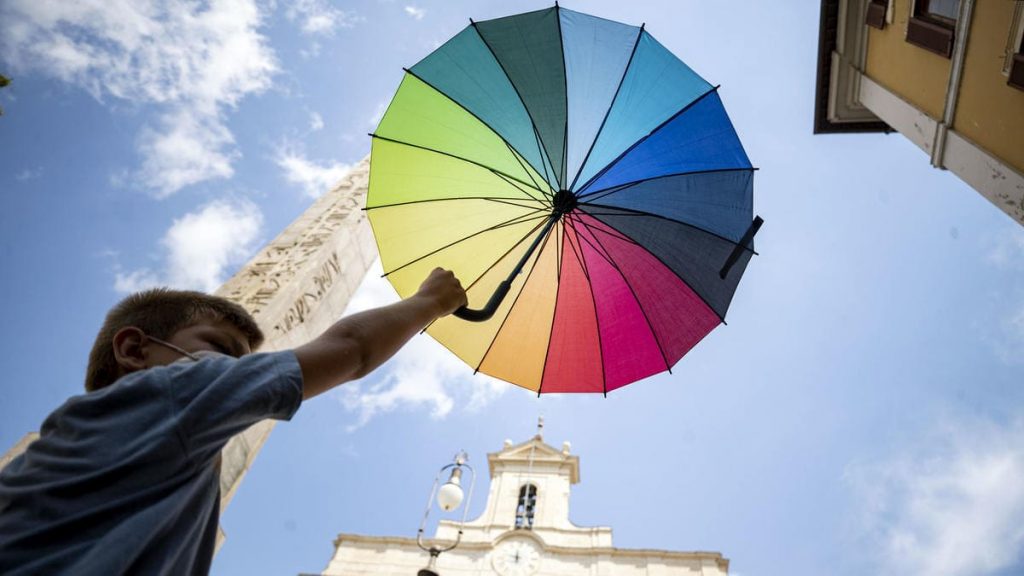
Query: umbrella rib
(607, 255)
(543, 152)
(533, 266)
(512, 182)
(558, 254)
(482, 121)
(684, 281)
(565, 102)
(475, 163)
(523, 218)
(632, 212)
(604, 170)
(520, 161)
(577, 253)
(509, 201)
(608, 112)
(488, 269)
(521, 100)
(627, 185)
(616, 233)
(597, 317)
(554, 311)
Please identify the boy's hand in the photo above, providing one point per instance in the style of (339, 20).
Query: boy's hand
(443, 289)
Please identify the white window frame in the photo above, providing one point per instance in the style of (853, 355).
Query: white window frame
(1016, 35)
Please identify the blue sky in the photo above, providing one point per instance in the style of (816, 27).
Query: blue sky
(861, 413)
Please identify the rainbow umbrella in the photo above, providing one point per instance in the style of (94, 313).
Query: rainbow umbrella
(581, 181)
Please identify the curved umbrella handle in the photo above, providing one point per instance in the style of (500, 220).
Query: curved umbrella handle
(484, 314)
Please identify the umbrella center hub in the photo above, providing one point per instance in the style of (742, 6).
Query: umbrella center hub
(564, 202)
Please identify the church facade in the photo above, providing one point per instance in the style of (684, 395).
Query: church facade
(524, 530)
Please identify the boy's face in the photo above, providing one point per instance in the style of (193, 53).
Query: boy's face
(213, 335)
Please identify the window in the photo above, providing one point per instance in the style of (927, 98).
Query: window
(1017, 69)
(876, 16)
(933, 24)
(1013, 67)
(526, 507)
(942, 10)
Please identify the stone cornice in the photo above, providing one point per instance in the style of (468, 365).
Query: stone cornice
(716, 557)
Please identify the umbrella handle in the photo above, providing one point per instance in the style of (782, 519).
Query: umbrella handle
(485, 313)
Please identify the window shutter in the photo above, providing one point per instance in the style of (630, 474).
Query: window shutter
(930, 36)
(876, 14)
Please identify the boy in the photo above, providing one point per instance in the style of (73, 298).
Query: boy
(125, 479)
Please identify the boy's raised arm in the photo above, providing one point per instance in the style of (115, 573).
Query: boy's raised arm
(357, 344)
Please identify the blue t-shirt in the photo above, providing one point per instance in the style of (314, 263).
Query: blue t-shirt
(125, 480)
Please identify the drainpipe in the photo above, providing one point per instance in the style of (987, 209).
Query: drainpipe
(963, 28)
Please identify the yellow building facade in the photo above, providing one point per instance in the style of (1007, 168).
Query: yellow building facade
(947, 74)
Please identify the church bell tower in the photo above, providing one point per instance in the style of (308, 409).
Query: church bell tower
(524, 530)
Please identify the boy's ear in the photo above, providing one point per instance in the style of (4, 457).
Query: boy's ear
(129, 349)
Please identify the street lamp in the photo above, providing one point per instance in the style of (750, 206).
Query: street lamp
(448, 498)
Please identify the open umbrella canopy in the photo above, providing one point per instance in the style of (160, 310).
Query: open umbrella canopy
(578, 178)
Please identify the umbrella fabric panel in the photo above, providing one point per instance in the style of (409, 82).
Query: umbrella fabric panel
(695, 256)
(574, 352)
(471, 340)
(436, 234)
(529, 49)
(720, 202)
(657, 85)
(421, 116)
(465, 70)
(596, 52)
(699, 138)
(678, 317)
(401, 173)
(519, 349)
(629, 350)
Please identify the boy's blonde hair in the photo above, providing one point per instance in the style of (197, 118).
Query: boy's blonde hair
(160, 313)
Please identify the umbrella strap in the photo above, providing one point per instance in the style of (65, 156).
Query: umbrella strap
(739, 248)
(485, 313)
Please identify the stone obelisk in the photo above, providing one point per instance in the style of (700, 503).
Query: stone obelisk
(296, 287)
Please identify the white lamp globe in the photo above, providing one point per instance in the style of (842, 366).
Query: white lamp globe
(450, 495)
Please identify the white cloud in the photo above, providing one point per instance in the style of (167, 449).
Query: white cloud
(1007, 334)
(415, 12)
(956, 508)
(136, 280)
(191, 60)
(1008, 338)
(378, 113)
(316, 122)
(422, 376)
(312, 51)
(186, 149)
(200, 248)
(318, 17)
(29, 174)
(1007, 251)
(312, 177)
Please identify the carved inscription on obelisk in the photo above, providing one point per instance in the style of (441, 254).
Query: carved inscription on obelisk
(297, 286)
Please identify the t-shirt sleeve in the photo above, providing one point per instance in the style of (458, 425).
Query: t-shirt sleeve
(218, 397)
